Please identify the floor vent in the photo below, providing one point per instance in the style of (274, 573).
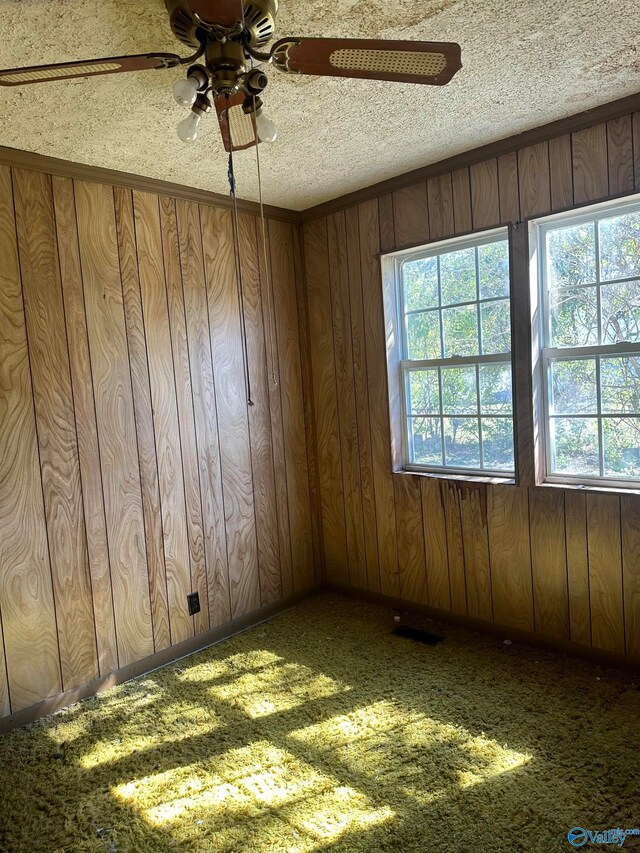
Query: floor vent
(418, 635)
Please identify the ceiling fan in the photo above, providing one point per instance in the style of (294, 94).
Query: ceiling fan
(229, 37)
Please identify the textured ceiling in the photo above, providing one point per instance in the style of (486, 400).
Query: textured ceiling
(524, 64)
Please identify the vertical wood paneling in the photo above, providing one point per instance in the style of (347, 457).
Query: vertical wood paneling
(549, 565)
(435, 544)
(455, 551)
(85, 420)
(55, 418)
(378, 396)
(343, 354)
(630, 519)
(264, 492)
(411, 550)
(461, 184)
(561, 172)
(475, 537)
(605, 571)
(204, 406)
(26, 591)
(5, 702)
(534, 182)
(440, 197)
(509, 549)
(184, 399)
(636, 149)
(115, 419)
(291, 392)
(411, 215)
(575, 514)
(590, 167)
(231, 401)
(365, 449)
(620, 155)
(508, 188)
(485, 205)
(143, 418)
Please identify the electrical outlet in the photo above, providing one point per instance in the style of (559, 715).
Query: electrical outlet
(193, 600)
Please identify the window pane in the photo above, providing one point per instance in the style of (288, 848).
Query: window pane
(620, 384)
(423, 335)
(571, 254)
(459, 395)
(620, 312)
(574, 317)
(574, 446)
(460, 327)
(493, 267)
(496, 326)
(497, 443)
(420, 284)
(621, 440)
(495, 389)
(461, 442)
(424, 394)
(458, 276)
(424, 440)
(573, 387)
(620, 247)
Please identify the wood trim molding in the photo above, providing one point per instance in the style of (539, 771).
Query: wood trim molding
(570, 124)
(68, 169)
(153, 662)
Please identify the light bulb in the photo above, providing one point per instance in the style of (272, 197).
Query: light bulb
(185, 91)
(267, 130)
(188, 127)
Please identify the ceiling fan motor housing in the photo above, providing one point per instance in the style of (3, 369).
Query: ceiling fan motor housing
(259, 22)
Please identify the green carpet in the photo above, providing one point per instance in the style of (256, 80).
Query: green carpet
(320, 730)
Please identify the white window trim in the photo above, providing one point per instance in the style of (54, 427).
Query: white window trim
(541, 354)
(399, 365)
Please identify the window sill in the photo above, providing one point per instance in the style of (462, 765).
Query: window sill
(590, 487)
(461, 478)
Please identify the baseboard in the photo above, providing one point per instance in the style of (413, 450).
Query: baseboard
(599, 656)
(146, 665)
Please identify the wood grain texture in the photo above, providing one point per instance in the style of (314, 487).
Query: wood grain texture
(485, 203)
(620, 155)
(292, 402)
(231, 402)
(360, 379)
(549, 562)
(55, 418)
(630, 521)
(475, 538)
(26, 590)
(561, 172)
(575, 515)
(386, 223)
(5, 700)
(521, 359)
(435, 544)
(636, 149)
(411, 215)
(534, 181)
(145, 434)
(204, 406)
(165, 414)
(440, 197)
(347, 417)
(264, 490)
(605, 572)
(455, 551)
(590, 167)
(378, 396)
(184, 399)
(510, 553)
(115, 419)
(508, 188)
(411, 546)
(461, 185)
(85, 422)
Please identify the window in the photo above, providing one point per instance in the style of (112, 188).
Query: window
(454, 355)
(588, 361)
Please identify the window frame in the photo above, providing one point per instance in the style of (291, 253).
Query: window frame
(542, 353)
(392, 264)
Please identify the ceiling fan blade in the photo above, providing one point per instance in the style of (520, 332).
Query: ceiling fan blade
(237, 129)
(429, 62)
(226, 13)
(90, 68)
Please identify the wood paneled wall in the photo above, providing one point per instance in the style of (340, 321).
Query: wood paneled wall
(562, 563)
(132, 470)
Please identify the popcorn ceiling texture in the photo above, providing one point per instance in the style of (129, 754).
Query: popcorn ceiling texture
(525, 64)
